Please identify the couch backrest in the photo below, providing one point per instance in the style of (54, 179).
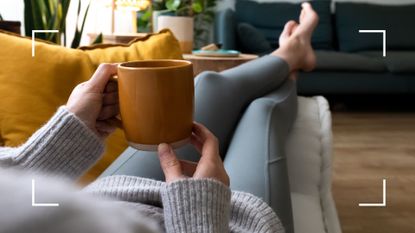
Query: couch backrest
(270, 18)
(396, 20)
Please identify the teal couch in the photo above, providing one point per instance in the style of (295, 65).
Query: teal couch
(348, 62)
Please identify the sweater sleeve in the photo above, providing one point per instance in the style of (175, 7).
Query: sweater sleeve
(196, 205)
(76, 212)
(64, 146)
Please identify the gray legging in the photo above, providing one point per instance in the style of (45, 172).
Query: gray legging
(220, 101)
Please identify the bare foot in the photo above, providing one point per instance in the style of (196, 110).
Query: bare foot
(295, 41)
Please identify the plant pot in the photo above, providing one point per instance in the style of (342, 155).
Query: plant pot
(11, 26)
(182, 28)
(155, 16)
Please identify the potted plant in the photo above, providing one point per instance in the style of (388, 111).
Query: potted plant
(203, 24)
(11, 26)
(181, 18)
(158, 8)
(51, 15)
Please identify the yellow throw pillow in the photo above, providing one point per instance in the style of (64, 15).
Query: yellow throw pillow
(162, 46)
(32, 88)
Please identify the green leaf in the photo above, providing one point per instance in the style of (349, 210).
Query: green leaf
(43, 14)
(197, 7)
(78, 33)
(52, 15)
(184, 11)
(99, 39)
(158, 5)
(85, 16)
(173, 5)
(65, 8)
(28, 18)
(39, 21)
(1, 18)
(50, 7)
(146, 16)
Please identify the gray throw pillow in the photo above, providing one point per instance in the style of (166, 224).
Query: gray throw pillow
(251, 40)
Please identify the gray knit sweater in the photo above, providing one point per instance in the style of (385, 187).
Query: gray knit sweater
(65, 147)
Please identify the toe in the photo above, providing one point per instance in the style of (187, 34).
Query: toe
(290, 26)
(306, 5)
(308, 18)
(307, 12)
(288, 30)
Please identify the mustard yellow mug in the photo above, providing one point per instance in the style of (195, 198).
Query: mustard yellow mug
(156, 102)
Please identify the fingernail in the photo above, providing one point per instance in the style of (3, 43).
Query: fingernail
(163, 149)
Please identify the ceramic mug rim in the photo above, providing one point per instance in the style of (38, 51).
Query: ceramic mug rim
(132, 64)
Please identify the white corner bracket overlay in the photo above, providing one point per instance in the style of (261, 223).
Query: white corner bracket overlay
(34, 204)
(383, 204)
(383, 35)
(39, 31)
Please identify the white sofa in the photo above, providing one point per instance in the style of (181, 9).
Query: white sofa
(309, 159)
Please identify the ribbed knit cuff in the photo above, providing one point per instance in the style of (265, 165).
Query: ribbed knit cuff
(127, 188)
(196, 205)
(256, 215)
(64, 146)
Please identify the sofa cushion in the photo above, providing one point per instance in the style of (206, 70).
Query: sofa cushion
(270, 18)
(251, 40)
(396, 20)
(339, 61)
(396, 61)
(32, 88)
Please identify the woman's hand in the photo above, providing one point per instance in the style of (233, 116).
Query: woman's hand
(210, 164)
(95, 102)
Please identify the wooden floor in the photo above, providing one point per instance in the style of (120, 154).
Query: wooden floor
(367, 148)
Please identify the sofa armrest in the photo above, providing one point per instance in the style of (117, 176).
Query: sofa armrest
(225, 29)
(255, 160)
(309, 155)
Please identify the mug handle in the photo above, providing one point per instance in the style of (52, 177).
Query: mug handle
(116, 121)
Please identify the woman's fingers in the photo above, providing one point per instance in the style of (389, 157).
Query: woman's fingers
(201, 131)
(101, 77)
(188, 167)
(109, 111)
(112, 86)
(210, 164)
(110, 98)
(210, 148)
(195, 141)
(169, 163)
(104, 128)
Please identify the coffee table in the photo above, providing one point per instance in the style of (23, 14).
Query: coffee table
(217, 64)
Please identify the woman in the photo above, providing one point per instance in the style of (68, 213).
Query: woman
(194, 198)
